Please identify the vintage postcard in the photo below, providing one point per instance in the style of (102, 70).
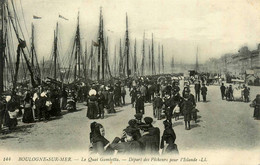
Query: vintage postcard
(129, 82)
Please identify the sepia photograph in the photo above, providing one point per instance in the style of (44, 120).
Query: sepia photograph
(129, 82)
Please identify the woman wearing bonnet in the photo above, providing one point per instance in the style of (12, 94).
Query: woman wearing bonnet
(99, 144)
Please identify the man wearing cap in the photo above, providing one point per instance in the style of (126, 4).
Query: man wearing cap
(139, 106)
(151, 137)
(138, 118)
(133, 125)
(129, 145)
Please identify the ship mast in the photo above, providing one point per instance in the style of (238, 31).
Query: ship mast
(34, 56)
(115, 62)
(104, 52)
(159, 59)
(101, 48)
(127, 48)
(149, 59)
(106, 61)
(32, 46)
(99, 44)
(85, 61)
(153, 67)
(92, 61)
(172, 64)
(135, 62)
(143, 59)
(197, 62)
(162, 60)
(78, 52)
(55, 51)
(120, 60)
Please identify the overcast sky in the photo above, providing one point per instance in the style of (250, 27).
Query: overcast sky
(216, 27)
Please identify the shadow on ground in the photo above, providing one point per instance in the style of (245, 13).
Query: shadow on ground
(176, 123)
(194, 126)
(19, 129)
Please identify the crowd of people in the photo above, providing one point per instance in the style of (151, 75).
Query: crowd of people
(164, 96)
(240, 93)
(35, 105)
(138, 136)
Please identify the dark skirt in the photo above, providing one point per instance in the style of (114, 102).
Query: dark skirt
(28, 115)
(55, 108)
(63, 103)
(92, 111)
(257, 113)
(10, 123)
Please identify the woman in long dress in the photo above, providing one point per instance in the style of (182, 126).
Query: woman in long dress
(12, 109)
(92, 105)
(28, 114)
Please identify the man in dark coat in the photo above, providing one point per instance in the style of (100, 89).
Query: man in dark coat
(204, 92)
(246, 94)
(117, 95)
(169, 106)
(133, 95)
(197, 88)
(157, 106)
(222, 89)
(123, 93)
(139, 106)
(111, 101)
